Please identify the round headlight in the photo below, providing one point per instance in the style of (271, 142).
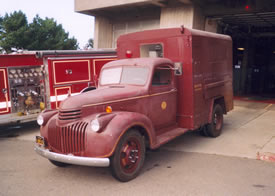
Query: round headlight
(40, 120)
(95, 126)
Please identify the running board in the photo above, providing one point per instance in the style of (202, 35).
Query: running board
(169, 135)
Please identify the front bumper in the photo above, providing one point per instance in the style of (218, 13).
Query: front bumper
(71, 159)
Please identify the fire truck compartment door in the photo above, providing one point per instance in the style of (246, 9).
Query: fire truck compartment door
(4, 102)
(71, 71)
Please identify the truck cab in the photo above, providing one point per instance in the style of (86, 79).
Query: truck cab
(140, 103)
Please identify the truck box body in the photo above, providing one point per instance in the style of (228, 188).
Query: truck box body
(206, 65)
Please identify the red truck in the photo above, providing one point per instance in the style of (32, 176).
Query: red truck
(167, 82)
(33, 81)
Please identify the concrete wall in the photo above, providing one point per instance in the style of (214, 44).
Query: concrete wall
(103, 37)
(177, 16)
(198, 19)
(211, 25)
(108, 29)
(187, 15)
(120, 28)
(84, 5)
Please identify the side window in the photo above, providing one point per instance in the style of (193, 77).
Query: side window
(162, 76)
(151, 50)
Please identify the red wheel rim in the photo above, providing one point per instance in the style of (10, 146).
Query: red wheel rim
(130, 155)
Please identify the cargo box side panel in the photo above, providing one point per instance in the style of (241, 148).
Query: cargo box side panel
(200, 66)
(212, 75)
(185, 85)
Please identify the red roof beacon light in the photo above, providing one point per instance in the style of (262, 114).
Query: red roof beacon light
(129, 54)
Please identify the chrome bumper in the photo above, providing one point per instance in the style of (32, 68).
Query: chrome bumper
(70, 159)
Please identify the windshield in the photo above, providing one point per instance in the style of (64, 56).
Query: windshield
(124, 75)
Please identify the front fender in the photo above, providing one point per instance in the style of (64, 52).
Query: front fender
(103, 144)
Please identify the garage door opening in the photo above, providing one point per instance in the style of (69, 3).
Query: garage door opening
(254, 67)
(253, 36)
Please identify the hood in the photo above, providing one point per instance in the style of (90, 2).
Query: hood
(101, 95)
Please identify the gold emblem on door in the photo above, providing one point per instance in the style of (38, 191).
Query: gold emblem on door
(163, 105)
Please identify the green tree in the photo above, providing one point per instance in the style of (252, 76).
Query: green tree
(12, 30)
(47, 35)
(41, 34)
(90, 43)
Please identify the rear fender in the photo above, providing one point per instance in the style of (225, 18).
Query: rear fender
(216, 100)
(103, 143)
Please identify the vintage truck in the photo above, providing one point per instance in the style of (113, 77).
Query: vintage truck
(167, 82)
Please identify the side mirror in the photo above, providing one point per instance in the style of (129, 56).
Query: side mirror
(178, 68)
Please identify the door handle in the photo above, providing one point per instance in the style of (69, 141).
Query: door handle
(69, 71)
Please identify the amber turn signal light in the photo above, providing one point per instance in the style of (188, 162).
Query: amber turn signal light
(109, 109)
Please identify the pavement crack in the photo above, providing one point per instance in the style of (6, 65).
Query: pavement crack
(267, 142)
(253, 118)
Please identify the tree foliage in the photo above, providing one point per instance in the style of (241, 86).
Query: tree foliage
(41, 34)
(90, 43)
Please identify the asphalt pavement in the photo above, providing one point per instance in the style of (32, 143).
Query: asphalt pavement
(189, 165)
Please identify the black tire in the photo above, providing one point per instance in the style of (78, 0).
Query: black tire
(214, 129)
(87, 89)
(203, 131)
(59, 164)
(128, 157)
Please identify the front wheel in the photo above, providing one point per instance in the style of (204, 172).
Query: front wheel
(214, 129)
(129, 156)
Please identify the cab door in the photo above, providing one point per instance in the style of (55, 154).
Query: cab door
(163, 97)
(4, 101)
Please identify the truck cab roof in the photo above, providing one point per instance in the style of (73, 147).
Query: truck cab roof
(150, 62)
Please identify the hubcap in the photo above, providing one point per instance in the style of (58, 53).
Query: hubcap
(130, 155)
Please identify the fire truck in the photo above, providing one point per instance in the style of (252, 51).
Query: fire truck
(165, 83)
(33, 81)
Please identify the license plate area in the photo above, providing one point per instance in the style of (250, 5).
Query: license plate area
(40, 140)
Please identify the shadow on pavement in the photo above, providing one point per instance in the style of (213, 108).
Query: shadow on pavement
(17, 129)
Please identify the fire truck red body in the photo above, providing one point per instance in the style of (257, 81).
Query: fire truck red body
(34, 81)
(167, 81)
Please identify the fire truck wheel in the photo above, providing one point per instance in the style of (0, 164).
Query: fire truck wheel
(129, 156)
(214, 129)
(59, 164)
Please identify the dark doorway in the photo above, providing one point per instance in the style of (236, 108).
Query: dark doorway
(251, 24)
(254, 66)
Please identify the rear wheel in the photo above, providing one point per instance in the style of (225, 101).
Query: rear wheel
(59, 164)
(129, 156)
(214, 129)
(203, 131)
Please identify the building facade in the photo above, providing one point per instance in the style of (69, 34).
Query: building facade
(250, 23)
(113, 18)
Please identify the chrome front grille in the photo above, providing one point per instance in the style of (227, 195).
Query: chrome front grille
(69, 115)
(69, 139)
